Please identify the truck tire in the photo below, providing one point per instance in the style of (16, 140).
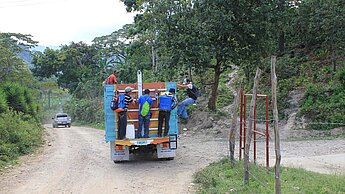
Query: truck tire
(69, 125)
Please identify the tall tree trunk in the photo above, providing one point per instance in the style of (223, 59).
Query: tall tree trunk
(281, 43)
(212, 103)
(333, 60)
(190, 73)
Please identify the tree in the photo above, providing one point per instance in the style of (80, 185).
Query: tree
(12, 68)
(320, 27)
(207, 34)
(71, 64)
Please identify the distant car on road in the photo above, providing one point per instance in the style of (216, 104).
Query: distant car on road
(61, 119)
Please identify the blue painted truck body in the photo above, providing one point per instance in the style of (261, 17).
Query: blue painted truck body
(165, 147)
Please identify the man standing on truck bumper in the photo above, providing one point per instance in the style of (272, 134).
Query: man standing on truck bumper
(164, 112)
(123, 115)
(144, 119)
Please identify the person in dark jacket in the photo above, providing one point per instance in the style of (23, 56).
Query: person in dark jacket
(191, 99)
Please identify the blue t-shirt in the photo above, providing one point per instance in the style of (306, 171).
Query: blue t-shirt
(142, 100)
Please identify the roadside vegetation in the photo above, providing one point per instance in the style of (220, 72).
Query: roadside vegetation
(220, 177)
(20, 125)
(171, 40)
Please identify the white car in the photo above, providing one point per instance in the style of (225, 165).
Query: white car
(61, 119)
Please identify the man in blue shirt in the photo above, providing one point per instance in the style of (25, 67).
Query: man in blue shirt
(145, 102)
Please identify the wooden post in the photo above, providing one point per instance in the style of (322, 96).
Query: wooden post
(276, 130)
(241, 124)
(249, 131)
(233, 128)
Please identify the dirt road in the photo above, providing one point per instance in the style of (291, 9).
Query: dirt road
(76, 160)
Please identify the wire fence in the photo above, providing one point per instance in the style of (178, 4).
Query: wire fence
(270, 173)
(298, 122)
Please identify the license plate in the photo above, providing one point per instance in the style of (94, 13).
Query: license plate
(141, 142)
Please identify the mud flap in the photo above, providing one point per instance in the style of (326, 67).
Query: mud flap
(120, 153)
(165, 152)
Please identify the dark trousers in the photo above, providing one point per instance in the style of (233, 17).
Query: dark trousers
(121, 133)
(163, 115)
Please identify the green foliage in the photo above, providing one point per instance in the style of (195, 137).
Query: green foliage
(21, 99)
(220, 177)
(19, 135)
(13, 68)
(225, 97)
(3, 101)
(324, 103)
(71, 64)
(85, 111)
(340, 76)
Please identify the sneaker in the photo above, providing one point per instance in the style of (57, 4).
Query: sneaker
(184, 120)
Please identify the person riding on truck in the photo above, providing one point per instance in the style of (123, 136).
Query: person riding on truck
(167, 102)
(123, 115)
(192, 97)
(145, 101)
(111, 79)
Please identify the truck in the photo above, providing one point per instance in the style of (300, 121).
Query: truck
(160, 147)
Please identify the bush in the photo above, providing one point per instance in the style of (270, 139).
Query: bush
(20, 99)
(19, 135)
(324, 103)
(3, 102)
(340, 76)
(86, 111)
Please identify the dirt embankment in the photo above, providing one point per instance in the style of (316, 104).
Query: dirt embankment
(77, 160)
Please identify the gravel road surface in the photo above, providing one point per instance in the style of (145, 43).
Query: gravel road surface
(77, 160)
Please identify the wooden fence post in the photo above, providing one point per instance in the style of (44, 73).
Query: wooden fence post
(276, 130)
(233, 128)
(249, 131)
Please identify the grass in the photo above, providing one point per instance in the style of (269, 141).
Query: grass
(99, 126)
(219, 177)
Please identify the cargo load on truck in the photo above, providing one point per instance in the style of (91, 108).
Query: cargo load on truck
(121, 149)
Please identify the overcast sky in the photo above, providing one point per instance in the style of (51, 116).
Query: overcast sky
(56, 22)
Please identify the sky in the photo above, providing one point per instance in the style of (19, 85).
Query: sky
(58, 22)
